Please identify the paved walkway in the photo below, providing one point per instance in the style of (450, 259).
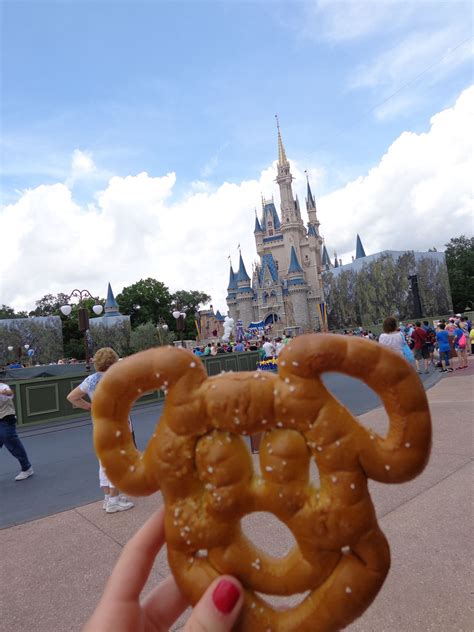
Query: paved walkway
(54, 569)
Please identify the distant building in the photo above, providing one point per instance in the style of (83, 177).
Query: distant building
(404, 284)
(210, 324)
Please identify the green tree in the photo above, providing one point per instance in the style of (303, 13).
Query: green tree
(460, 261)
(147, 336)
(146, 301)
(9, 312)
(189, 301)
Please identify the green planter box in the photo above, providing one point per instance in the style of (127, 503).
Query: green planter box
(43, 399)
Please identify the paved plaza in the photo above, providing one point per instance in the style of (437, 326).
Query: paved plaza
(54, 568)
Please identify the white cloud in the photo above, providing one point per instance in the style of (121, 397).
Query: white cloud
(82, 165)
(419, 195)
(407, 45)
(351, 19)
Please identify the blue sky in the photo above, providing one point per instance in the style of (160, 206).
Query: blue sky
(192, 87)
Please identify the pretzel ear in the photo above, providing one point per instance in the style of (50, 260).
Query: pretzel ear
(403, 453)
(173, 369)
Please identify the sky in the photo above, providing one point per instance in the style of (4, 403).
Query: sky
(138, 137)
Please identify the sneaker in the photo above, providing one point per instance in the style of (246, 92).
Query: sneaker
(25, 474)
(105, 502)
(426, 371)
(449, 369)
(118, 505)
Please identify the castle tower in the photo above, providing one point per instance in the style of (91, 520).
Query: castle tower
(244, 295)
(298, 291)
(232, 294)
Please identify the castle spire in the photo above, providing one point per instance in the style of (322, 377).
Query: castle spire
(282, 159)
(360, 252)
(258, 228)
(242, 273)
(310, 201)
(111, 305)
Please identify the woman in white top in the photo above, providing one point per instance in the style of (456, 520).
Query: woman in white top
(103, 359)
(391, 337)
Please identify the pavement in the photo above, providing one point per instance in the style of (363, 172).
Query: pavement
(53, 570)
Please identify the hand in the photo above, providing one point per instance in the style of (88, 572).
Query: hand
(120, 608)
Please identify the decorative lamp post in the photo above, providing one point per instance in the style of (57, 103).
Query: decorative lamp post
(180, 318)
(160, 328)
(83, 316)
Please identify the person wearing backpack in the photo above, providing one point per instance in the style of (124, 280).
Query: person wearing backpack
(430, 340)
(460, 344)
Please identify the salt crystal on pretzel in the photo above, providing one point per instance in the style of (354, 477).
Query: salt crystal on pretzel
(199, 460)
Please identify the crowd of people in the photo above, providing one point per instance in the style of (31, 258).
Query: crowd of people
(439, 344)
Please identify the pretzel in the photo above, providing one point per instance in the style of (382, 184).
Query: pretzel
(199, 460)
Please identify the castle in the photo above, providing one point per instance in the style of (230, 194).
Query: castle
(286, 286)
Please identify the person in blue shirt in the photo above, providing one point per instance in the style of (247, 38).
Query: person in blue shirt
(460, 344)
(442, 338)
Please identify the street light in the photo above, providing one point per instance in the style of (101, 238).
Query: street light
(180, 320)
(83, 316)
(160, 328)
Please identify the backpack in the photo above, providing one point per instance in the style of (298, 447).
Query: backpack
(462, 341)
(430, 337)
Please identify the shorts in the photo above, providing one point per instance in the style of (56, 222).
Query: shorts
(103, 480)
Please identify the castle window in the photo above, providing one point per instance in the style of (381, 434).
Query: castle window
(270, 232)
(287, 219)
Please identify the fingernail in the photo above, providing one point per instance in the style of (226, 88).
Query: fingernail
(225, 596)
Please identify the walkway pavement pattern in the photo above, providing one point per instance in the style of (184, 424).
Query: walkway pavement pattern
(54, 569)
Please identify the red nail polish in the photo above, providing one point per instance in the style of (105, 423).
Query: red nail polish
(225, 596)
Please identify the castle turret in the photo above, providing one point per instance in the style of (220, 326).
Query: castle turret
(298, 291)
(360, 252)
(244, 295)
(232, 293)
(326, 261)
(111, 305)
(311, 206)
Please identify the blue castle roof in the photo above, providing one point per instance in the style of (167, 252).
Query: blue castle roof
(111, 305)
(312, 230)
(310, 197)
(232, 280)
(258, 228)
(294, 263)
(242, 273)
(269, 209)
(325, 258)
(268, 262)
(360, 252)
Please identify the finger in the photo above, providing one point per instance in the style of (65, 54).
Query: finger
(135, 563)
(164, 604)
(218, 608)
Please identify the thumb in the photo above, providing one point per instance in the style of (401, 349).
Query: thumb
(218, 608)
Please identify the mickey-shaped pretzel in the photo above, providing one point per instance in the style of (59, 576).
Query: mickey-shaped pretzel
(204, 469)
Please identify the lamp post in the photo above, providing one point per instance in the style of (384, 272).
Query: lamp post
(180, 318)
(160, 328)
(83, 316)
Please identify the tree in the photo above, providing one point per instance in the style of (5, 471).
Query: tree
(50, 305)
(147, 301)
(147, 336)
(460, 261)
(189, 301)
(9, 312)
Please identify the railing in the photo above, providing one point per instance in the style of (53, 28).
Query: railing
(43, 399)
